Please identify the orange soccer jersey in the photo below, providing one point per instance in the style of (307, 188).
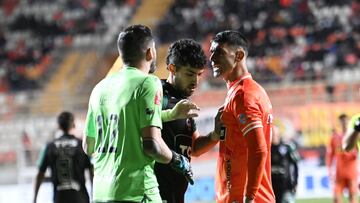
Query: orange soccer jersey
(346, 165)
(247, 118)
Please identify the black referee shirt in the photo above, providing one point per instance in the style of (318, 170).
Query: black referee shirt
(178, 136)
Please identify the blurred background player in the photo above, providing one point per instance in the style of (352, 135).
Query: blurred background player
(186, 62)
(284, 168)
(345, 174)
(67, 162)
(123, 125)
(243, 169)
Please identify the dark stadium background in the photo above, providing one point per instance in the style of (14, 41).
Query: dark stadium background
(304, 52)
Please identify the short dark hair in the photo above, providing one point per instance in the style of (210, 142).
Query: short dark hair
(342, 116)
(186, 52)
(65, 121)
(133, 43)
(232, 38)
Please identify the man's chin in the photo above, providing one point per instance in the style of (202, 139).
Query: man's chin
(188, 93)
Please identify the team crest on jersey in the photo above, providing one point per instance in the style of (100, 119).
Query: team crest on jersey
(157, 98)
(242, 118)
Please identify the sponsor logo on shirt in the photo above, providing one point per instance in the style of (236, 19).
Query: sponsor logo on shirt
(185, 150)
(228, 175)
(149, 111)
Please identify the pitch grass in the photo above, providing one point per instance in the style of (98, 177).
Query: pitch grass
(319, 200)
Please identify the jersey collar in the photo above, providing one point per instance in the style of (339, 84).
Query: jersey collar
(236, 82)
(129, 67)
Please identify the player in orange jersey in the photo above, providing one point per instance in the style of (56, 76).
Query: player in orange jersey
(243, 168)
(346, 165)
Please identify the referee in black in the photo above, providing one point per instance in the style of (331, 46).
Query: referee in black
(186, 62)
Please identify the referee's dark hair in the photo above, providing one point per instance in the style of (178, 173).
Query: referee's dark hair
(186, 52)
(66, 121)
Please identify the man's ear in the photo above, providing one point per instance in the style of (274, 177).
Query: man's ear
(149, 54)
(239, 55)
(171, 67)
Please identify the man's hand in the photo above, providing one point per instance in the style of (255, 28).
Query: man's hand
(182, 165)
(183, 109)
(215, 135)
(357, 125)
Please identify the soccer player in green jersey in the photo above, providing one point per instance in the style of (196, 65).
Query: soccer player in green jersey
(352, 136)
(123, 126)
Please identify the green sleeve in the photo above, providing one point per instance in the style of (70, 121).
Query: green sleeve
(351, 126)
(90, 128)
(353, 120)
(150, 101)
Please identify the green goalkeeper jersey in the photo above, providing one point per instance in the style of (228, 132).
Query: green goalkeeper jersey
(119, 107)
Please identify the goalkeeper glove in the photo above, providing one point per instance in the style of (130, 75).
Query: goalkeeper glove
(182, 165)
(357, 125)
(182, 109)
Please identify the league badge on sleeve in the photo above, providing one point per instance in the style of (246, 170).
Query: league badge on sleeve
(242, 118)
(157, 98)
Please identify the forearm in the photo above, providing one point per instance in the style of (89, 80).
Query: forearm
(91, 174)
(296, 173)
(256, 168)
(257, 153)
(154, 146)
(350, 140)
(38, 180)
(88, 145)
(166, 115)
(202, 144)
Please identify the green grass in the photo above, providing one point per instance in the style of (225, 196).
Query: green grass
(320, 200)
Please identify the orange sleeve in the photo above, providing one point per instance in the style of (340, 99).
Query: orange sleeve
(257, 152)
(330, 153)
(248, 113)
